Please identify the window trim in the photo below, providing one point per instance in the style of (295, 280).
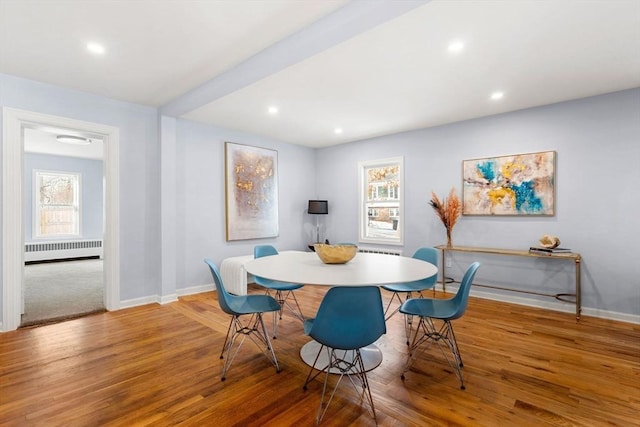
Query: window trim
(36, 230)
(362, 200)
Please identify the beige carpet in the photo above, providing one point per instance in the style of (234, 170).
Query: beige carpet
(62, 290)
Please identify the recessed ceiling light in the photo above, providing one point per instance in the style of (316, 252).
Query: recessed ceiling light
(74, 140)
(96, 48)
(456, 46)
(497, 95)
(273, 110)
(337, 130)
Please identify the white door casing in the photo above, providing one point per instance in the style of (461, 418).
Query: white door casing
(15, 121)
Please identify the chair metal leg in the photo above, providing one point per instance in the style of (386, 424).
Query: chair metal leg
(452, 344)
(275, 324)
(414, 344)
(226, 339)
(256, 331)
(276, 314)
(281, 297)
(319, 371)
(393, 296)
(443, 336)
(264, 337)
(346, 362)
(408, 319)
(278, 296)
(235, 322)
(408, 326)
(297, 311)
(408, 295)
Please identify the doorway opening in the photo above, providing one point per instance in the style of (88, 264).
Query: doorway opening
(16, 124)
(63, 225)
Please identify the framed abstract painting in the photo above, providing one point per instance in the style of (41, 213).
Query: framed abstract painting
(521, 184)
(251, 192)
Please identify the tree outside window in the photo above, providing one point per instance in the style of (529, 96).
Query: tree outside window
(57, 204)
(381, 201)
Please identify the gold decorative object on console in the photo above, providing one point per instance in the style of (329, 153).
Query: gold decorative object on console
(548, 241)
(335, 254)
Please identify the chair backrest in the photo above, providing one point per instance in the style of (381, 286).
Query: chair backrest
(349, 318)
(260, 251)
(462, 296)
(264, 250)
(223, 296)
(429, 255)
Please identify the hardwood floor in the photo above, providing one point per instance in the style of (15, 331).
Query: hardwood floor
(159, 365)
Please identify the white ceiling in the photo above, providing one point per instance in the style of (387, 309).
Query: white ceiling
(43, 141)
(369, 67)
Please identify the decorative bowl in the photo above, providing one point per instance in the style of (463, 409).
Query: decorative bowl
(548, 241)
(335, 254)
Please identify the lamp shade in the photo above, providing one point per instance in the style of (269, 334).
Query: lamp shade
(318, 207)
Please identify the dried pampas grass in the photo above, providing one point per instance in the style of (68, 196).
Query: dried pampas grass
(448, 210)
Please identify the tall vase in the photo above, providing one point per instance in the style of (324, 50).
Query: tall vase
(449, 242)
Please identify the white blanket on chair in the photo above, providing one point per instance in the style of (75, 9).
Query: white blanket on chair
(234, 276)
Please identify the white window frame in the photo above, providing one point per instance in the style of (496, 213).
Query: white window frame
(363, 194)
(37, 229)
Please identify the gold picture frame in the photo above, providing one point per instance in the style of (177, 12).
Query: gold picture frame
(251, 192)
(516, 185)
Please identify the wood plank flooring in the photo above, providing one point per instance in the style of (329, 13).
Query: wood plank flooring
(159, 365)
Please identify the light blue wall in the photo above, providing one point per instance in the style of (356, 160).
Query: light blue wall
(139, 169)
(596, 140)
(91, 194)
(199, 185)
(201, 200)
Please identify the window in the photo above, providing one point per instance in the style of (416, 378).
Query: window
(381, 201)
(57, 206)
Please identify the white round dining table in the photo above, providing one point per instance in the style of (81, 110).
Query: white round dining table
(365, 269)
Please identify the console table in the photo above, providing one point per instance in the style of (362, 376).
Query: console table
(568, 256)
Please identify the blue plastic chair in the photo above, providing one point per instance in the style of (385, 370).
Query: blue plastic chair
(445, 310)
(254, 328)
(282, 290)
(425, 254)
(348, 319)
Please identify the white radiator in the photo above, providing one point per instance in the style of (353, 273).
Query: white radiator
(62, 250)
(384, 251)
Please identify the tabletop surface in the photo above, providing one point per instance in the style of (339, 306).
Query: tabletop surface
(364, 269)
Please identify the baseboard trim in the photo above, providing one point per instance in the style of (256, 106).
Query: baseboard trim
(136, 302)
(451, 287)
(612, 315)
(550, 305)
(166, 299)
(196, 290)
(154, 299)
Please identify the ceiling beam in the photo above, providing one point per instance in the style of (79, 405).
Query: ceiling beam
(352, 19)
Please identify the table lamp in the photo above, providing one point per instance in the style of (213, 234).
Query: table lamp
(318, 207)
